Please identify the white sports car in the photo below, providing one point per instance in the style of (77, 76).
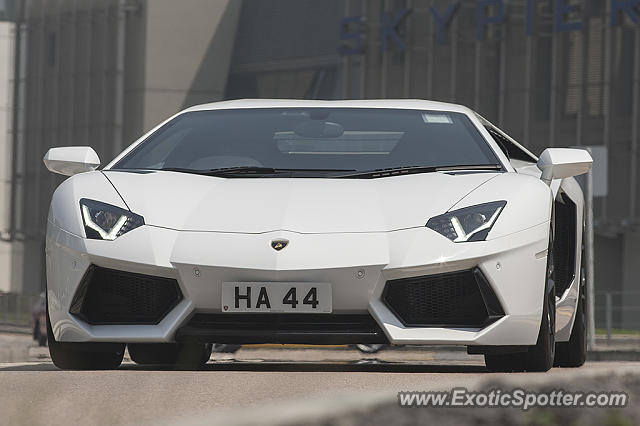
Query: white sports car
(317, 222)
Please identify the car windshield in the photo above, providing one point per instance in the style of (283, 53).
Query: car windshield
(322, 141)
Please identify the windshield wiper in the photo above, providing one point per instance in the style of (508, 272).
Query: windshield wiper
(253, 171)
(407, 170)
(223, 170)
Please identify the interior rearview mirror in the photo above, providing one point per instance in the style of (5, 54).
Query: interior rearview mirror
(560, 163)
(71, 160)
(318, 129)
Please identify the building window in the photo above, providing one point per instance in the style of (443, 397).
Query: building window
(595, 68)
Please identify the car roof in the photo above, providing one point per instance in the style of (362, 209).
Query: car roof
(303, 103)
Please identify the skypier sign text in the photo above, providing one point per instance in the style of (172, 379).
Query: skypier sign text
(353, 28)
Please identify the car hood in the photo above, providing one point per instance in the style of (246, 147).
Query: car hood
(191, 202)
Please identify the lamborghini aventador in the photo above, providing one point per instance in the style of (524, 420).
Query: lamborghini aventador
(386, 222)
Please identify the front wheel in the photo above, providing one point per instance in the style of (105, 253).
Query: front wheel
(539, 357)
(574, 352)
(505, 363)
(83, 356)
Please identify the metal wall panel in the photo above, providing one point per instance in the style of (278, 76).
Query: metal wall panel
(70, 59)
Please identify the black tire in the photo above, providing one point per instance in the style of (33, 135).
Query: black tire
(574, 352)
(504, 363)
(183, 355)
(83, 356)
(539, 357)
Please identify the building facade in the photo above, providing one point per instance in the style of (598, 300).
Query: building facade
(550, 72)
(100, 73)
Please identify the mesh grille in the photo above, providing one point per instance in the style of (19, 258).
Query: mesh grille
(107, 296)
(450, 300)
(282, 328)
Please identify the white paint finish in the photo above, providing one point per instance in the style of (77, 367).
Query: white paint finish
(331, 258)
(71, 160)
(300, 205)
(560, 163)
(335, 228)
(528, 202)
(517, 286)
(64, 211)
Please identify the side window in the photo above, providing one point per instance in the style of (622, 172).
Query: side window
(510, 149)
(499, 140)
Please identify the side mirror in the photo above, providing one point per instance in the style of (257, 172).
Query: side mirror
(560, 163)
(71, 160)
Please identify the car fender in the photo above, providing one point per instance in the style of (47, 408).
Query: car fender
(65, 207)
(529, 202)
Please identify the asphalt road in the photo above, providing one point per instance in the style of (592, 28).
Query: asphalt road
(37, 393)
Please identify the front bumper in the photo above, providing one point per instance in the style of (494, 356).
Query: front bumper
(358, 265)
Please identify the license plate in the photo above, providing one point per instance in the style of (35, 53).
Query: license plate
(276, 297)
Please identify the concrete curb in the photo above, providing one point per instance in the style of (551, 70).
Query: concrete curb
(15, 329)
(614, 355)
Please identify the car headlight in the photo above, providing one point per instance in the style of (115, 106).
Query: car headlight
(106, 222)
(469, 223)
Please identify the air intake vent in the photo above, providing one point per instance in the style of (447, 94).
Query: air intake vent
(564, 244)
(282, 328)
(107, 296)
(459, 299)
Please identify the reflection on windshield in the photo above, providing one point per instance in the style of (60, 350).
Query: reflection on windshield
(285, 142)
